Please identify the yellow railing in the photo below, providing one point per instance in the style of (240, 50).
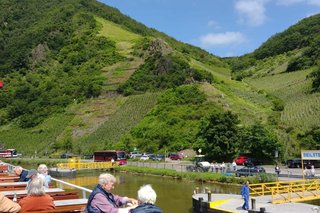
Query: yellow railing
(288, 191)
(75, 163)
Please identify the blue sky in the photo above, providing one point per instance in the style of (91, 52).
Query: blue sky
(222, 27)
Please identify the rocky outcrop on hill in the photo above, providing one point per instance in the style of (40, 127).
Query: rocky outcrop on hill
(158, 46)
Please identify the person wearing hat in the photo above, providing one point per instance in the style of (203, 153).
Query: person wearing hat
(32, 174)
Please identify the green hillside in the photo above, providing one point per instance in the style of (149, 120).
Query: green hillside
(80, 76)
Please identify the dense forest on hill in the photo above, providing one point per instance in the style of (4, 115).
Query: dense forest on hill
(49, 59)
(80, 76)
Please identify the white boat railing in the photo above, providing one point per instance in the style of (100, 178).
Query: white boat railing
(83, 189)
(61, 183)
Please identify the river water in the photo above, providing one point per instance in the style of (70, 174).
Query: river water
(173, 196)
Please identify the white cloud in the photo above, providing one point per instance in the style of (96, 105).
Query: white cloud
(291, 2)
(314, 2)
(214, 24)
(252, 12)
(227, 38)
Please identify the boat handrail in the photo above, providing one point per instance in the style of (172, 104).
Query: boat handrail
(83, 189)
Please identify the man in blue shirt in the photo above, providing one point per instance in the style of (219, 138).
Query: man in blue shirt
(245, 193)
(19, 171)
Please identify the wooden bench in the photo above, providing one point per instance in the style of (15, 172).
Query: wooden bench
(72, 205)
(55, 195)
(6, 174)
(9, 179)
(21, 192)
(10, 186)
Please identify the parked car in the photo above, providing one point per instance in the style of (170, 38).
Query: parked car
(249, 171)
(144, 157)
(135, 154)
(294, 163)
(67, 155)
(88, 156)
(147, 156)
(315, 163)
(241, 159)
(158, 157)
(175, 156)
(252, 162)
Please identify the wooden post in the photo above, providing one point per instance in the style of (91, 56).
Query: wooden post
(200, 204)
(253, 203)
(209, 196)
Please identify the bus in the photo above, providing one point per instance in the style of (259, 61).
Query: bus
(8, 153)
(107, 155)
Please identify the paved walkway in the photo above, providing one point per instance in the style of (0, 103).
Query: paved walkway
(230, 202)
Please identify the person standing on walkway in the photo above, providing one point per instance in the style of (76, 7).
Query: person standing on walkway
(313, 171)
(277, 170)
(234, 166)
(245, 193)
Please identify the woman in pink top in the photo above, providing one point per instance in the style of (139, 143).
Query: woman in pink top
(102, 200)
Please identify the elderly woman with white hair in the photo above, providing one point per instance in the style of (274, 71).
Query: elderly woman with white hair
(37, 199)
(102, 200)
(147, 199)
(43, 173)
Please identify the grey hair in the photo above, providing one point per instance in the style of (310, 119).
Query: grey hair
(18, 170)
(146, 194)
(42, 169)
(36, 187)
(106, 178)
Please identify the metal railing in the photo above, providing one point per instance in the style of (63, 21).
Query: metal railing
(60, 183)
(75, 163)
(83, 189)
(288, 191)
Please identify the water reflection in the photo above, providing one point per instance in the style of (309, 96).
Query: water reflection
(173, 196)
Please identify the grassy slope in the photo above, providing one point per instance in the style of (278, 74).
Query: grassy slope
(81, 120)
(235, 96)
(302, 108)
(35, 140)
(117, 114)
(123, 38)
(119, 123)
(104, 120)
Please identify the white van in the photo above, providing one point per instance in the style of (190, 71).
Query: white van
(135, 154)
